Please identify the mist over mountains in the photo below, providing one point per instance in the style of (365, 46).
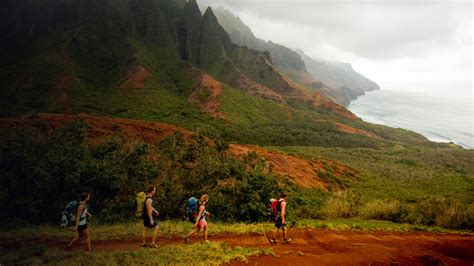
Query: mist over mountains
(340, 81)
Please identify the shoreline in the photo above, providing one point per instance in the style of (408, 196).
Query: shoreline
(404, 109)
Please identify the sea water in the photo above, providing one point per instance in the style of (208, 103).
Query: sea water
(440, 113)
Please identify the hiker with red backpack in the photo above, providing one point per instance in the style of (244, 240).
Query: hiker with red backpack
(279, 211)
(200, 220)
(82, 214)
(149, 215)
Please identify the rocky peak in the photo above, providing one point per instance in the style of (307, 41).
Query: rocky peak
(191, 13)
(210, 17)
(210, 21)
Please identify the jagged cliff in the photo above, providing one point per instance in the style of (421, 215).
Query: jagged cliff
(334, 79)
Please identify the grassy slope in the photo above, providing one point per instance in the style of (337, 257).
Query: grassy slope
(407, 174)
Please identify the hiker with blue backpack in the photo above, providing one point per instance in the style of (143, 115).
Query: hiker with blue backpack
(199, 219)
(82, 214)
(149, 215)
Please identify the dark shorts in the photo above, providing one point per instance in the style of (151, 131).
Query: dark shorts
(279, 224)
(146, 222)
(81, 228)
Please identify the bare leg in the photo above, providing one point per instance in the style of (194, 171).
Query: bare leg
(285, 233)
(87, 236)
(145, 232)
(155, 234)
(205, 233)
(275, 233)
(74, 240)
(195, 230)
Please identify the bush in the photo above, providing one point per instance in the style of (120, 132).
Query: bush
(343, 204)
(306, 203)
(442, 211)
(238, 190)
(42, 174)
(381, 210)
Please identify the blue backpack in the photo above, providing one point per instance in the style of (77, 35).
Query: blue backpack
(69, 214)
(192, 209)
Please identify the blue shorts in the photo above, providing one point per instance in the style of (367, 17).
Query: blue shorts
(146, 222)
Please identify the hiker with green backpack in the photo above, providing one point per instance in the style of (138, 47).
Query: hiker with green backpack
(149, 215)
(82, 214)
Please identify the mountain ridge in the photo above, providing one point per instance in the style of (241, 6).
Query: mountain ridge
(334, 79)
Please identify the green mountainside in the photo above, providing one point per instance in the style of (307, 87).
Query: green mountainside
(166, 61)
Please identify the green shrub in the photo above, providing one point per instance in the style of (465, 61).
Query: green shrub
(441, 211)
(381, 210)
(306, 204)
(238, 190)
(42, 174)
(342, 204)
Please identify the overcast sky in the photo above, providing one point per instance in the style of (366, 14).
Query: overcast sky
(386, 40)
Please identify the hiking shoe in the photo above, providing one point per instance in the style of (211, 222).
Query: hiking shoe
(288, 240)
(153, 245)
(273, 241)
(144, 245)
(186, 239)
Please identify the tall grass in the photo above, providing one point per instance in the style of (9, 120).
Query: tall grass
(380, 210)
(197, 254)
(434, 211)
(342, 204)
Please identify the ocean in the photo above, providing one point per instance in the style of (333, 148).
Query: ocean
(441, 115)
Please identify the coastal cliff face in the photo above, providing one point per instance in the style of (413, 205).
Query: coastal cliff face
(337, 80)
(340, 76)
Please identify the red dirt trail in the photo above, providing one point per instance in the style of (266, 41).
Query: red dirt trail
(318, 247)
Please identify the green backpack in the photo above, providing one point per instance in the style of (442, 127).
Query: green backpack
(141, 197)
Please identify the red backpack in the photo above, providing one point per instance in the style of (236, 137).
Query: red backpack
(273, 208)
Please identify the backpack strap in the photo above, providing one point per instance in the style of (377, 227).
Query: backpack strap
(144, 204)
(203, 215)
(80, 216)
(278, 207)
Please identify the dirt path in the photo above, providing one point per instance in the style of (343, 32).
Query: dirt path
(323, 247)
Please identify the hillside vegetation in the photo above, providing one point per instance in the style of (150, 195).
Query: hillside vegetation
(128, 64)
(114, 159)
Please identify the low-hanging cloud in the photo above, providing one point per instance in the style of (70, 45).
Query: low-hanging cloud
(374, 31)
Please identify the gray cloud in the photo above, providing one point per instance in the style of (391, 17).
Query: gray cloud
(371, 29)
(413, 34)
